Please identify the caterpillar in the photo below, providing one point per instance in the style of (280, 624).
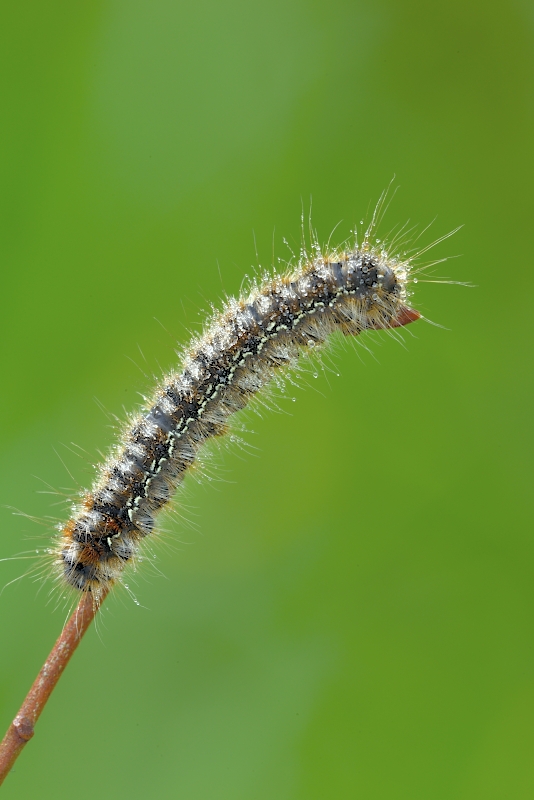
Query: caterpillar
(282, 318)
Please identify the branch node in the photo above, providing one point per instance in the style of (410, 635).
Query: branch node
(24, 727)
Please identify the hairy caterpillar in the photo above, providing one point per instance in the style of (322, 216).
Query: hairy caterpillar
(242, 348)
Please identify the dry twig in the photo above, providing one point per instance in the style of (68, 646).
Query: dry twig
(21, 729)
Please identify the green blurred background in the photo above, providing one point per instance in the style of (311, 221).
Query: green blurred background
(351, 613)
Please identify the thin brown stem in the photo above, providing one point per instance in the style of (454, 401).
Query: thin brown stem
(21, 729)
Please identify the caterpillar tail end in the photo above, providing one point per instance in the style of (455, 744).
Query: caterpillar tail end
(404, 317)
